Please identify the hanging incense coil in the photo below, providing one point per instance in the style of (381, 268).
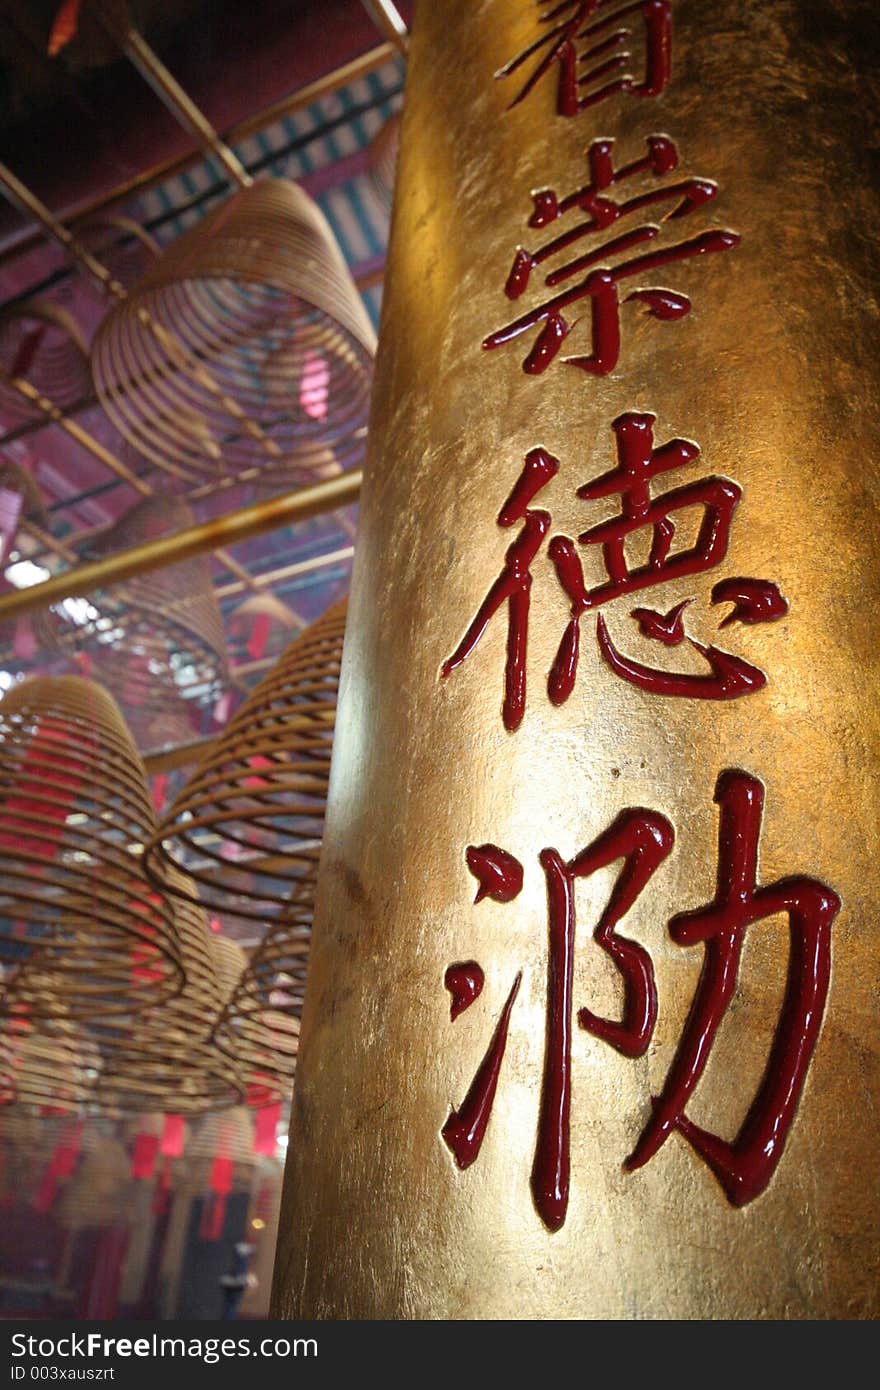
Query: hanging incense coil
(263, 626)
(29, 1142)
(82, 932)
(220, 1161)
(97, 1195)
(156, 641)
(227, 1135)
(31, 640)
(249, 1042)
(24, 1129)
(245, 346)
(58, 1070)
(295, 471)
(172, 727)
(384, 151)
(247, 827)
(42, 345)
(260, 1022)
(165, 1059)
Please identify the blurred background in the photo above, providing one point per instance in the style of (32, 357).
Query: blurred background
(193, 229)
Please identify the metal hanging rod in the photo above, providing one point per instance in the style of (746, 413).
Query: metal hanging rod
(269, 578)
(52, 414)
(364, 279)
(35, 210)
(230, 529)
(359, 67)
(172, 95)
(389, 21)
(170, 759)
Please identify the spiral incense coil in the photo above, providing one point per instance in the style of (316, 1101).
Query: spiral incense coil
(58, 1070)
(25, 1129)
(98, 1193)
(229, 1134)
(244, 346)
(263, 625)
(82, 932)
(155, 730)
(247, 827)
(41, 344)
(251, 1048)
(383, 158)
(260, 1022)
(220, 1161)
(165, 1059)
(29, 1140)
(156, 641)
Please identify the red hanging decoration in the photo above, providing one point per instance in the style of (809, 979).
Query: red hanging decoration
(259, 636)
(143, 1155)
(159, 792)
(265, 1129)
(171, 1141)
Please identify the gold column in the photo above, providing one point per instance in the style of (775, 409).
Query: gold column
(671, 824)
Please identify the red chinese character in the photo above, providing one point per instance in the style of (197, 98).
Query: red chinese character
(639, 462)
(745, 1166)
(642, 840)
(600, 285)
(587, 53)
(514, 583)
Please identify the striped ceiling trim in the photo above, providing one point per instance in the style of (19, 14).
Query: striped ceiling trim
(318, 147)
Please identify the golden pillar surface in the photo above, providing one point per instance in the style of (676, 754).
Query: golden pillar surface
(624, 413)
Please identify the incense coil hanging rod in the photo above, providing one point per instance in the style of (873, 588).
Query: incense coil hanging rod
(75, 906)
(247, 827)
